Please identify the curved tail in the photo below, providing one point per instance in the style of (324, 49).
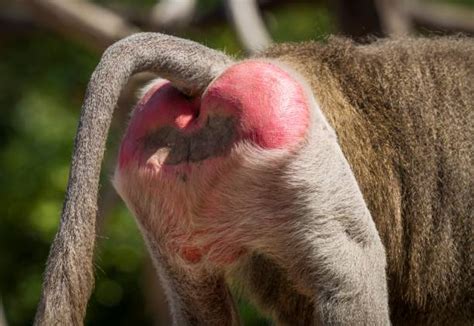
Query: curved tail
(69, 276)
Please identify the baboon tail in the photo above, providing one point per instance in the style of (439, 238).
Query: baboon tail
(69, 276)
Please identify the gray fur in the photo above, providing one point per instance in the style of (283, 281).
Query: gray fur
(302, 208)
(69, 276)
(382, 181)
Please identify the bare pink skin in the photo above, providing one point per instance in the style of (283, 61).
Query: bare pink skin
(271, 112)
(270, 104)
(162, 105)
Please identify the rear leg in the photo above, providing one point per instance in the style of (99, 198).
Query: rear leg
(197, 296)
(267, 286)
(292, 196)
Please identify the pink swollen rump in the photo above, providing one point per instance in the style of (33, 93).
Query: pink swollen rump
(271, 105)
(174, 145)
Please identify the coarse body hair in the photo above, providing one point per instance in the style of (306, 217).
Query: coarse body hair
(403, 111)
(365, 217)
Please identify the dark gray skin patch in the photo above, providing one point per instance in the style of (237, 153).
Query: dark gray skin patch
(213, 139)
(183, 177)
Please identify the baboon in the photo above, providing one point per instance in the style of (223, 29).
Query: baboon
(331, 181)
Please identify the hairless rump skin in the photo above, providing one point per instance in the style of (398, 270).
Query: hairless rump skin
(260, 96)
(169, 134)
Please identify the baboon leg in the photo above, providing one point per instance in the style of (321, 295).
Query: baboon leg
(269, 288)
(196, 297)
(346, 278)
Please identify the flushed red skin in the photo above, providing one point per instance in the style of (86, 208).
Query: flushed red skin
(162, 105)
(270, 106)
(271, 111)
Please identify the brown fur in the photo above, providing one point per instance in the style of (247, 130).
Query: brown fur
(403, 112)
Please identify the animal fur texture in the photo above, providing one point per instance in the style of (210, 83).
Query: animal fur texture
(402, 113)
(69, 279)
(339, 191)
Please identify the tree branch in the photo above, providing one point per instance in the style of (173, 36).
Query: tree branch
(441, 17)
(247, 22)
(94, 25)
(3, 319)
(393, 17)
(172, 14)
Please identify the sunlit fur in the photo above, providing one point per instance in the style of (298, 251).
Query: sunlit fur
(403, 113)
(300, 207)
(292, 228)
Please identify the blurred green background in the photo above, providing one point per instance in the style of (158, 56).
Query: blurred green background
(43, 76)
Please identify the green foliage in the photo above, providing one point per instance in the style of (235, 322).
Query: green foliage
(40, 95)
(313, 22)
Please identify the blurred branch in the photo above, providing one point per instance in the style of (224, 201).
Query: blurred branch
(249, 25)
(13, 19)
(3, 319)
(441, 17)
(172, 14)
(92, 24)
(358, 19)
(215, 14)
(393, 17)
(99, 27)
